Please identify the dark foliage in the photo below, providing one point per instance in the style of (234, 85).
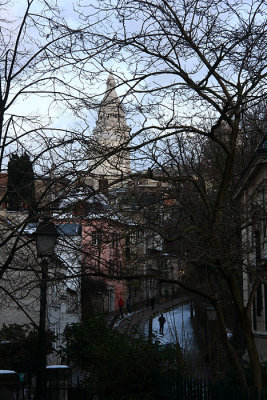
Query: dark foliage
(19, 347)
(116, 364)
(20, 186)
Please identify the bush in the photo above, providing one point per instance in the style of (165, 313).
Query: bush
(117, 365)
(19, 347)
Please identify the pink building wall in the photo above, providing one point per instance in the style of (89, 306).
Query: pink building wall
(102, 244)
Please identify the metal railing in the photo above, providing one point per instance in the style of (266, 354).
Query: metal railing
(185, 388)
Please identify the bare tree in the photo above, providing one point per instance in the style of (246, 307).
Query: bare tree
(39, 81)
(193, 68)
(190, 70)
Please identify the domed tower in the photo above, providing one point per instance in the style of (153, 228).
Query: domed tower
(110, 137)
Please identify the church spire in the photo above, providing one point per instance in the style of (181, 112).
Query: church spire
(111, 117)
(111, 132)
(110, 94)
(111, 83)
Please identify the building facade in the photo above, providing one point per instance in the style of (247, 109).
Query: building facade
(21, 278)
(252, 194)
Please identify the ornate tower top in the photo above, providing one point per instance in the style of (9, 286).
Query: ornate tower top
(111, 124)
(111, 81)
(110, 133)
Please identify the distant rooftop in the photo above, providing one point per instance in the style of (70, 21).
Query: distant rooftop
(69, 229)
(63, 229)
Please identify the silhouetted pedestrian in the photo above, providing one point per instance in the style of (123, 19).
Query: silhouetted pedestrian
(121, 304)
(162, 321)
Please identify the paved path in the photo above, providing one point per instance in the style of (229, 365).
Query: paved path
(135, 321)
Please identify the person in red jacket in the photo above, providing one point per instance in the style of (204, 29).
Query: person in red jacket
(121, 304)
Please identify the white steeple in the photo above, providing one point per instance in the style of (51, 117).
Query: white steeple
(111, 133)
(111, 119)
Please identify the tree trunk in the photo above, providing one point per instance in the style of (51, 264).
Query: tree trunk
(252, 354)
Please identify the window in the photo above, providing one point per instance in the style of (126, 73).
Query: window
(136, 237)
(114, 240)
(94, 263)
(128, 253)
(111, 267)
(96, 238)
(127, 248)
(162, 265)
(118, 267)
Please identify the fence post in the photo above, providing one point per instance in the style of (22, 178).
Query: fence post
(58, 382)
(8, 384)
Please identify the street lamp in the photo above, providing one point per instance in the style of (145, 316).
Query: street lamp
(46, 236)
(212, 339)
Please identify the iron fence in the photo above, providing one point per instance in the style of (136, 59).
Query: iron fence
(53, 393)
(169, 387)
(165, 387)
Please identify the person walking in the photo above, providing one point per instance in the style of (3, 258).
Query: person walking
(162, 321)
(121, 304)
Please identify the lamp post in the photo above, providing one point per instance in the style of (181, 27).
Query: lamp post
(46, 237)
(212, 339)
